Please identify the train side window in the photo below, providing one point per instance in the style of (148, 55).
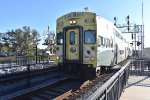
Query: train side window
(121, 52)
(108, 42)
(72, 38)
(59, 38)
(111, 43)
(100, 40)
(104, 41)
(89, 37)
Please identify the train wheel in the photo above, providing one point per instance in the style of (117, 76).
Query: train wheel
(98, 72)
(103, 69)
(60, 66)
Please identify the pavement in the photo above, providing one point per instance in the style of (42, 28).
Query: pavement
(137, 88)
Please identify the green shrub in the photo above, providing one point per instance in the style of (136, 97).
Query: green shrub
(29, 54)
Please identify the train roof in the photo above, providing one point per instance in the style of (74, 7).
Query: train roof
(110, 24)
(75, 15)
(79, 14)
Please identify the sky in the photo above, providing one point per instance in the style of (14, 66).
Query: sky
(39, 14)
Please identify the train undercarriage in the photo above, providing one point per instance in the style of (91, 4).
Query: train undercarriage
(84, 71)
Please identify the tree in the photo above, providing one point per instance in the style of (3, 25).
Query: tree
(22, 39)
(0, 40)
(3, 42)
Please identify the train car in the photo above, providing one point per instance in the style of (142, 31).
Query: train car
(88, 43)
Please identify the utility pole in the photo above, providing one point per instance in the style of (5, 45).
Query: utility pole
(142, 36)
(142, 28)
(36, 52)
(135, 39)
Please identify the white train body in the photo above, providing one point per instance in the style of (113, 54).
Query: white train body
(85, 39)
(112, 47)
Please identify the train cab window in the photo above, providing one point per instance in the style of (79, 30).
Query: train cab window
(89, 37)
(72, 38)
(59, 38)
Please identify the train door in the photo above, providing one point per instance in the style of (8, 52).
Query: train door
(72, 44)
(116, 53)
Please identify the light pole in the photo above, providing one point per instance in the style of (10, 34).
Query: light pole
(36, 52)
(35, 48)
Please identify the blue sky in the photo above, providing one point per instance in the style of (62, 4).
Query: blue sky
(39, 14)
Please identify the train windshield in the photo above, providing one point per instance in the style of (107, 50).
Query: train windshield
(89, 37)
(59, 38)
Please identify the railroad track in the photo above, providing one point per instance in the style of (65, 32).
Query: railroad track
(51, 86)
(13, 85)
(15, 89)
(25, 74)
(52, 90)
(87, 90)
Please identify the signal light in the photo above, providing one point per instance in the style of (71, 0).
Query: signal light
(128, 23)
(131, 43)
(115, 19)
(132, 36)
(128, 17)
(138, 43)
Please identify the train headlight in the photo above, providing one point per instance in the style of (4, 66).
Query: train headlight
(74, 22)
(57, 57)
(71, 22)
(92, 58)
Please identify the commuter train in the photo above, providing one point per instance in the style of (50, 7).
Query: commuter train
(88, 43)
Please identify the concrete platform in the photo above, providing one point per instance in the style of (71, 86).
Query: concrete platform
(137, 88)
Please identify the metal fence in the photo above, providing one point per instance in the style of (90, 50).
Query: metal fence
(15, 62)
(140, 67)
(24, 60)
(7, 63)
(113, 88)
(19, 61)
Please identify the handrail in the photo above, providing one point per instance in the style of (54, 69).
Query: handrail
(104, 88)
